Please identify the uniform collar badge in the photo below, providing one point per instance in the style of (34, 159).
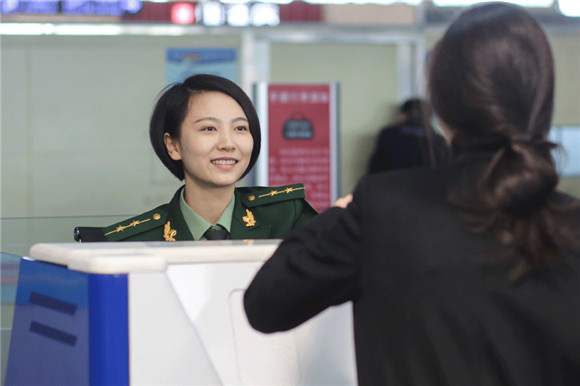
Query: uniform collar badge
(249, 219)
(169, 234)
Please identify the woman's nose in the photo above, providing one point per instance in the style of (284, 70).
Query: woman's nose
(226, 140)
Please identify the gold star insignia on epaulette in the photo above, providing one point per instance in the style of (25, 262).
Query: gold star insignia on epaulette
(169, 234)
(288, 190)
(249, 219)
(121, 228)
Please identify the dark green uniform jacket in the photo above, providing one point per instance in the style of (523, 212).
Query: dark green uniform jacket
(259, 213)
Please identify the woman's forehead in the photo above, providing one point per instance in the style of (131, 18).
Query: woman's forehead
(214, 104)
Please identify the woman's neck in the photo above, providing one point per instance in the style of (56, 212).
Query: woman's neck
(209, 202)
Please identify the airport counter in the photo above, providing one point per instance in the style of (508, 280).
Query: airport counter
(159, 313)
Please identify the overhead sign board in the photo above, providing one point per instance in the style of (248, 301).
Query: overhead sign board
(70, 7)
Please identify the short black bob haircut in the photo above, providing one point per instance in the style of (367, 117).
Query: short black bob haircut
(172, 107)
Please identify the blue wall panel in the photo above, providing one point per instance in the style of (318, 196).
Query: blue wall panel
(50, 337)
(70, 328)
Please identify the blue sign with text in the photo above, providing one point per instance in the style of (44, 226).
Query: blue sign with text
(71, 7)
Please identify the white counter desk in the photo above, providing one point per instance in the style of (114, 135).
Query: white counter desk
(152, 313)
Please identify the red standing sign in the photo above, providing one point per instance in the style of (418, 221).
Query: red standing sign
(300, 135)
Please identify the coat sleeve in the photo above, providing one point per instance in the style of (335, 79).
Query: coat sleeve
(315, 267)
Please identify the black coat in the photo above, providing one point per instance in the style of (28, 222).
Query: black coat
(431, 304)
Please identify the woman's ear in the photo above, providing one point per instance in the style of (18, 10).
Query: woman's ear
(172, 146)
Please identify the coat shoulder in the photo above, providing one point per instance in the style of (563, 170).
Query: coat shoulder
(137, 225)
(254, 196)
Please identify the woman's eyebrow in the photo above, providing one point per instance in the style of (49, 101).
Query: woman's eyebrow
(243, 119)
(213, 119)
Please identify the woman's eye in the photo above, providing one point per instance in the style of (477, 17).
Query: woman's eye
(242, 128)
(208, 128)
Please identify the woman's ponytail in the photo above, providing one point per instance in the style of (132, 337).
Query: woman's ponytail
(520, 178)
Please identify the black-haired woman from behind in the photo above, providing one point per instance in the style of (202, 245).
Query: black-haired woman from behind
(467, 274)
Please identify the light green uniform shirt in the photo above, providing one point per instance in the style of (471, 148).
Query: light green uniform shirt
(198, 225)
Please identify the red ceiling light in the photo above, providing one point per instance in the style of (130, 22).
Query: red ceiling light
(183, 13)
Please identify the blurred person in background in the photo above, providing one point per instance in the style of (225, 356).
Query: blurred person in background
(410, 142)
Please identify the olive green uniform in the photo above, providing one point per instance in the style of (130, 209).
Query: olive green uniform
(259, 213)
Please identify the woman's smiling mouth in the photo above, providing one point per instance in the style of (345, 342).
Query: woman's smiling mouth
(224, 162)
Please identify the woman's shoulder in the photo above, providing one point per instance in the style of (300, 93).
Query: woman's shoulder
(281, 207)
(254, 196)
(406, 189)
(147, 226)
(419, 178)
(137, 225)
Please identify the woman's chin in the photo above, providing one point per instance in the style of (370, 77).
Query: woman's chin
(222, 183)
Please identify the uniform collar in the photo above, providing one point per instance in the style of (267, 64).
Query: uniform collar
(245, 223)
(198, 225)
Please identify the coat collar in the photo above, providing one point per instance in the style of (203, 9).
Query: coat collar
(244, 224)
(176, 220)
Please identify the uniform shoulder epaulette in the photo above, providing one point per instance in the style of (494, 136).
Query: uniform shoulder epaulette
(262, 195)
(135, 225)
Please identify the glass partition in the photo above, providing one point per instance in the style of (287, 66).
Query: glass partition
(19, 234)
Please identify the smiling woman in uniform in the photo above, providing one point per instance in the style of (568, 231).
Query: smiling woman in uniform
(206, 132)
